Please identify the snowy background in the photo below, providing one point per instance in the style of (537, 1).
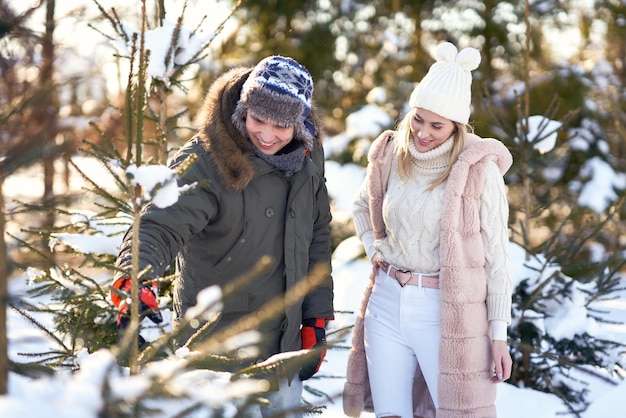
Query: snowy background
(79, 395)
(51, 397)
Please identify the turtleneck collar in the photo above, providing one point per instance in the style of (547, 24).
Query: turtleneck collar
(433, 161)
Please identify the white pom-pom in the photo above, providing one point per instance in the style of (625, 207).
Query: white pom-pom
(446, 52)
(468, 59)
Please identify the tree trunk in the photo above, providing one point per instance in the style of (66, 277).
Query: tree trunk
(4, 294)
(47, 113)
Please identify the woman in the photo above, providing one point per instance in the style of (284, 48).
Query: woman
(258, 164)
(430, 339)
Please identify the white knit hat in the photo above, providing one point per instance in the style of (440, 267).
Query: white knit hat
(447, 88)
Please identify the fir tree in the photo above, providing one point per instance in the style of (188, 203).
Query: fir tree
(560, 276)
(80, 305)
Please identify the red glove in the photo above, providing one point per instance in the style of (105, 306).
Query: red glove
(148, 304)
(313, 334)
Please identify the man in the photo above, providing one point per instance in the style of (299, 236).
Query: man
(261, 192)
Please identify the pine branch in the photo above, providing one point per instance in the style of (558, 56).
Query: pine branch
(114, 20)
(34, 370)
(171, 50)
(100, 191)
(32, 248)
(102, 154)
(40, 326)
(268, 311)
(140, 98)
(201, 53)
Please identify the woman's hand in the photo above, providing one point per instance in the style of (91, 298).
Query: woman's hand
(502, 361)
(376, 262)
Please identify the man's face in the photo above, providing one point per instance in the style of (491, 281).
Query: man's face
(267, 136)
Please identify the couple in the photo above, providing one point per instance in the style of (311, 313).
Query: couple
(432, 215)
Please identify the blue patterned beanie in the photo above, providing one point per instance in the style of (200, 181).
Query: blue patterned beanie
(279, 89)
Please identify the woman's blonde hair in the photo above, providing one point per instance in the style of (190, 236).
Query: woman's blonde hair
(403, 139)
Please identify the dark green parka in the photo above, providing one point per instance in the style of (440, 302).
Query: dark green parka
(244, 209)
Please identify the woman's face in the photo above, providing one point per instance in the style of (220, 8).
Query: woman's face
(429, 130)
(268, 137)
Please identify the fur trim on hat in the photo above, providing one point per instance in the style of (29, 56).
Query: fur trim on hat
(300, 131)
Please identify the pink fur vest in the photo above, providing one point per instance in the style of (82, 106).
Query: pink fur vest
(465, 362)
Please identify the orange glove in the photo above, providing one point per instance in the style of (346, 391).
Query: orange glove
(313, 334)
(148, 304)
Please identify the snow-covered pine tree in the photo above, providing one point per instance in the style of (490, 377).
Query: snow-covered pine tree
(555, 340)
(571, 259)
(209, 373)
(19, 149)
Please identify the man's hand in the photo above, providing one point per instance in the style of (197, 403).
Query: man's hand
(148, 304)
(502, 361)
(313, 334)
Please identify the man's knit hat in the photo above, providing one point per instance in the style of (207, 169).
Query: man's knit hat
(447, 87)
(279, 89)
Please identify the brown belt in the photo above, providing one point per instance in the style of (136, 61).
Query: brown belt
(405, 277)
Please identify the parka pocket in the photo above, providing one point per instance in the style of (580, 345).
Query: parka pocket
(232, 254)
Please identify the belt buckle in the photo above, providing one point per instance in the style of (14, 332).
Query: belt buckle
(403, 271)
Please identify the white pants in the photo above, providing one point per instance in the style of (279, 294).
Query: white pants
(287, 398)
(401, 329)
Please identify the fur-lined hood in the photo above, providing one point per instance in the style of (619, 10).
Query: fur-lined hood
(228, 149)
